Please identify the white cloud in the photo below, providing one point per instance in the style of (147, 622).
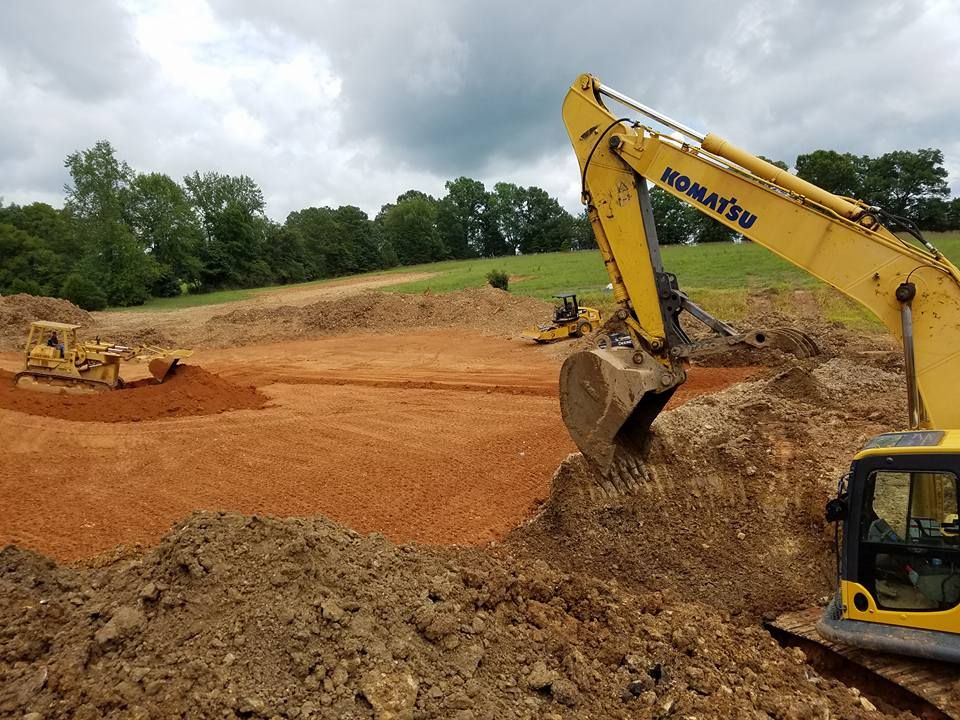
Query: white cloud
(354, 102)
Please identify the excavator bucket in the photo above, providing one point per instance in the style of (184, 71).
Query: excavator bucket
(608, 400)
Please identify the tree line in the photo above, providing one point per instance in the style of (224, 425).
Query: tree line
(124, 236)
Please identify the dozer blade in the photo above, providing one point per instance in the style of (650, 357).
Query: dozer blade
(161, 367)
(609, 400)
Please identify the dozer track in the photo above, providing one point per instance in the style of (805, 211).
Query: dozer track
(62, 383)
(927, 688)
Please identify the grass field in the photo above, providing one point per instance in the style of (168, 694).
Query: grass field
(717, 275)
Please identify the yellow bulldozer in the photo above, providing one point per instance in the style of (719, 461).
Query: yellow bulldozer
(55, 359)
(570, 320)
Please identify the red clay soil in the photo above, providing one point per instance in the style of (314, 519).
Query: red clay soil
(705, 380)
(188, 391)
(440, 437)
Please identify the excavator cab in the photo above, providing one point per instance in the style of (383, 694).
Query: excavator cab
(899, 587)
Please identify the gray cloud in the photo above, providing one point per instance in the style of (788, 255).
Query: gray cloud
(82, 49)
(354, 102)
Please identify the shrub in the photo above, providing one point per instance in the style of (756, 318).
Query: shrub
(83, 292)
(166, 285)
(498, 279)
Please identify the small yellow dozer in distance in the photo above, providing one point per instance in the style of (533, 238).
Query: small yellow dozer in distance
(55, 359)
(569, 320)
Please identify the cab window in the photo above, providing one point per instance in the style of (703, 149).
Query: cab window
(910, 540)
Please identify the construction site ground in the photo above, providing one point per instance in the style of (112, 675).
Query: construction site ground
(211, 533)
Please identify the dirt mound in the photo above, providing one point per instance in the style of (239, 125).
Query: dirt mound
(234, 616)
(135, 337)
(487, 310)
(18, 311)
(725, 504)
(189, 390)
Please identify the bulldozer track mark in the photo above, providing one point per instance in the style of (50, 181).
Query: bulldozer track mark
(493, 386)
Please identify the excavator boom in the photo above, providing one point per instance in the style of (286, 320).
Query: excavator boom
(911, 288)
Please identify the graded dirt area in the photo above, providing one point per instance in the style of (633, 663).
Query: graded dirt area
(432, 436)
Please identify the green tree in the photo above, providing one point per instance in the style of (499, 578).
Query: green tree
(953, 215)
(27, 264)
(233, 257)
(932, 214)
(778, 163)
(336, 242)
(410, 228)
(286, 254)
(83, 292)
(676, 221)
(163, 219)
(548, 227)
(460, 217)
(356, 232)
(212, 193)
(98, 197)
(52, 232)
(507, 202)
(901, 181)
(56, 228)
(841, 174)
(583, 237)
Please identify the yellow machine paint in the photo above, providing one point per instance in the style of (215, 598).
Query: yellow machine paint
(610, 396)
(570, 320)
(74, 365)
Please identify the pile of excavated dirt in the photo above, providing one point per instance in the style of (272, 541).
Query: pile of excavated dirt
(18, 311)
(487, 310)
(189, 390)
(725, 503)
(139, 336)
(802, 310)
(234, 616)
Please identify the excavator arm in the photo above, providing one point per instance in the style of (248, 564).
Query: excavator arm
(610, 396)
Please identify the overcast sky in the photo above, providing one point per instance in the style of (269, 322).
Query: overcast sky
(353, 102)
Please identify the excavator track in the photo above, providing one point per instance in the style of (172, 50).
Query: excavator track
(52, 382)
(927, 688)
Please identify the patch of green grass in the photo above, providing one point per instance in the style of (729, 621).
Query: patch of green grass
(839, 308)
(224, 296)
(186, 301)
(718, 276)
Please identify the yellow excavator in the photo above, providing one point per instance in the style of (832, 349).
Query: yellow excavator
(899, 559)
(55, 359)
